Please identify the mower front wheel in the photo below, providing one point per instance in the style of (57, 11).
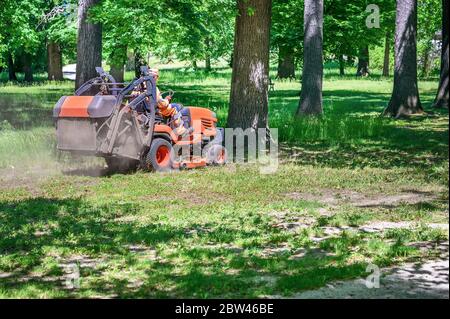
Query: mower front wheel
(217, 155)
(160, 156)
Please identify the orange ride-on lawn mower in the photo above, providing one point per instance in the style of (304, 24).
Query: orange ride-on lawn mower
(123, 125)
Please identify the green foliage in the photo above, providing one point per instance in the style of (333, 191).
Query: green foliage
(128, 24)
(377, 57)
(62, 28)
(200, 28)
(184, 29)
(287, 25)
(25, 32)
(429, 16)
(345, 29)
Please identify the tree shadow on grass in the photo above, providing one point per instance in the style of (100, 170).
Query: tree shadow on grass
(38, 231)
(419, 142)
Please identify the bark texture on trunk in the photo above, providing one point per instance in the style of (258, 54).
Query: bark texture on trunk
(118, 59)
(387, 55)
(441, 100)
(286, 63)
(208, 66)
(249, 96)
(89, 44)
(341, 65)
(312, 78)
(139, 61)
(405, 98)
(54, 63)
(426, 62)
(27, 67)
(11, 68)
(117, 72)
(363, 62)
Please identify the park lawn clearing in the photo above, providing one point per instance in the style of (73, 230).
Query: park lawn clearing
(205, 240)
(351, 189)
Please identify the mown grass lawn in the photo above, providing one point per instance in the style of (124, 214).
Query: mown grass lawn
(222, 231)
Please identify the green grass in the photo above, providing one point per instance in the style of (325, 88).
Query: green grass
(215, 232)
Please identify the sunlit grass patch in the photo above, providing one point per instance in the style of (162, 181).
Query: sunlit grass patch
(19, 147)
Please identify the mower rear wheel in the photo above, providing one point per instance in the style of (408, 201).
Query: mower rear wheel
(160, 156)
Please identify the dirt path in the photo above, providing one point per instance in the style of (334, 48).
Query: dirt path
(428, 280)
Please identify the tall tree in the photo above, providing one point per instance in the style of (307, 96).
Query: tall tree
(387, 54)
(89, 43)
(351, 26)
(11, 68)
(21, 37)
(119, 35)
(54, 61)
(118, 58)
(27, 67)
(428, 23)
(250, 79)
(139, 60)
(312, 79)
(363, 61)
(441, 100)
(286, 35)
(341, 65)
(405, 98)
(286, 62)
(59, 26)
(208, 66)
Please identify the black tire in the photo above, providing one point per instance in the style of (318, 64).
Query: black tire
(217, 155)
(160, 156)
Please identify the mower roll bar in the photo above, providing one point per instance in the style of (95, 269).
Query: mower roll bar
(148, 99)
(98, 81)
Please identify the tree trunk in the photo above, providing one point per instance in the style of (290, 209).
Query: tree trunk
(286, 63)
(11, 69)
(312, 78)
(426, 61)
(54, 63)
(405, 98)
(27, 67)
(208, 67)
(117, 72)
(194, 65)
(441, 100)
(387, 55)
(89, 44)
(363, 62)
(249, 96)
(341, 65)
(139, 61)
(118, 59)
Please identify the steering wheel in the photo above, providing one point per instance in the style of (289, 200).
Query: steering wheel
(169, 93)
